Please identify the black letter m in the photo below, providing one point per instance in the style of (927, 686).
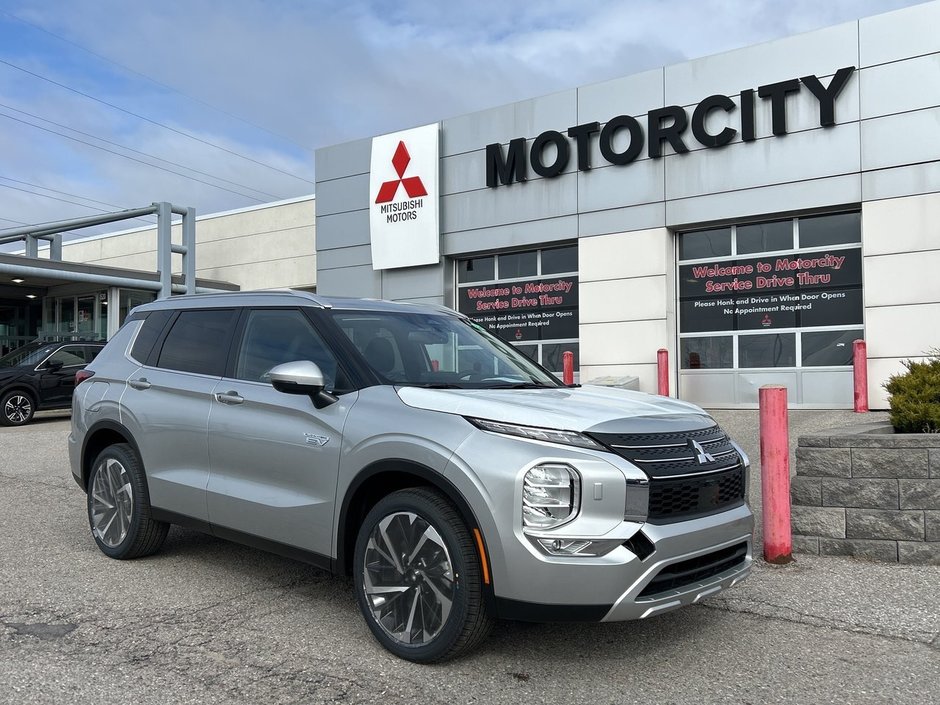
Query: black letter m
(505, 171)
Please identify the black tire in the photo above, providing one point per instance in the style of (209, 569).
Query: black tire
(118, 474)
(468, 622)
(16, 408)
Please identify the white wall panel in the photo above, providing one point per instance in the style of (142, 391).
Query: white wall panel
(899, 34)
(624, 299)
(910, 278)
(620, 255)
(901, 225)
(907, 138)
(623, 343)
(900, 86)
(902, 331)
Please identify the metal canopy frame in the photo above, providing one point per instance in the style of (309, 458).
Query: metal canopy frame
(52, 232)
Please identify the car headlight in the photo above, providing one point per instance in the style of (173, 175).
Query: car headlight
(551, 435)
(551, 495)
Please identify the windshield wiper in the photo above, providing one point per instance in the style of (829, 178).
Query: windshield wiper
(521, 385)
(435, 385)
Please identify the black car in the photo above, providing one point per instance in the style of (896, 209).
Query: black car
(40, 376)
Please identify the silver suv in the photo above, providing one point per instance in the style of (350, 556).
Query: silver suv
(453, 478)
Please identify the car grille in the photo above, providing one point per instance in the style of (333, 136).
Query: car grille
(694, 570)
(692, 473)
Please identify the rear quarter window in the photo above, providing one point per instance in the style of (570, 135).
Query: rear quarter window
(198, 342)
(148, 335)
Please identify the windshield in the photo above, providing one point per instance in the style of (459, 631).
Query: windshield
(31, 354)
(434, 350)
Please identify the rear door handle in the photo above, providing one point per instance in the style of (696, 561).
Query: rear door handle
(229, 398)
(141, 383)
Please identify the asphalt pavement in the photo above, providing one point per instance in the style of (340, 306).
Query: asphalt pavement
(207, 621)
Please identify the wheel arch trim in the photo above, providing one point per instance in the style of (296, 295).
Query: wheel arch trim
(92, 432)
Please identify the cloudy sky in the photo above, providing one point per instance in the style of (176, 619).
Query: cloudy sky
(109, 104)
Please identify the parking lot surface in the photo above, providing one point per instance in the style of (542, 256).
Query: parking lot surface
(207, 621)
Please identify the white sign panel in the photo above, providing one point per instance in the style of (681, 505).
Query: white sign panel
(403, 198)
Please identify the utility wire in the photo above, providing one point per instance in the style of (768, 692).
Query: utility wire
(152, 122)
(55, 198)
(133, 159)
(10, 220)
(155, 81)
(136, 151)
(71, 195)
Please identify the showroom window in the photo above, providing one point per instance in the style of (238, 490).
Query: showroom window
(780, 295)
(529, 299)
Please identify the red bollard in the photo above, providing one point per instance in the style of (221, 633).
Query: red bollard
(662, 371)
(775, 473)
(860, 365)
(567, 374)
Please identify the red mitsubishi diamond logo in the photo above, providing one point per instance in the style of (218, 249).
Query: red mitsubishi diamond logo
(413, 185)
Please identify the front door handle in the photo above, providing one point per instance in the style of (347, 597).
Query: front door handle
(229, 398)
(141, 383)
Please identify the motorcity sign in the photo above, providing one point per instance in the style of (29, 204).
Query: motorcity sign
(403, 198)
(669, 124)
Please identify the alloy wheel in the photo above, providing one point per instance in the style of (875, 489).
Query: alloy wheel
(17, 408)
(112, 502)
(408, 578)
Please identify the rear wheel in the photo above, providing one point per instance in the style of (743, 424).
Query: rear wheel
(119, 505)
(16, 408)
(418, 578)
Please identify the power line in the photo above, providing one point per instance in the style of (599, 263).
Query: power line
(125, 156)
(135, 151)
(153, 122)
(10, 220)
(71, 195)
(155, 81)
(56, 198)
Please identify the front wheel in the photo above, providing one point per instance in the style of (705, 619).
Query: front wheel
(418, 578)
(119, 505)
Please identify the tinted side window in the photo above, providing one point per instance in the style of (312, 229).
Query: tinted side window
(275, 336)
(198, 342)
(69, 356)
(148, 334)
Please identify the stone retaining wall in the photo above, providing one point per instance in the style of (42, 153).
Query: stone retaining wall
(866, 491)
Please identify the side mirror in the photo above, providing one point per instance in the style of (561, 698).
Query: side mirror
(54, 365)
(300, 377)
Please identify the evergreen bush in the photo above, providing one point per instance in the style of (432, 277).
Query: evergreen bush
(915, 396)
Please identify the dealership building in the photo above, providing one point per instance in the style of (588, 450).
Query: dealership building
(753, 213)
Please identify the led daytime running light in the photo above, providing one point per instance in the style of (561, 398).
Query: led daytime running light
(549, 435)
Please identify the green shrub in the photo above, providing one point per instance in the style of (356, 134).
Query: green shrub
(915, 396)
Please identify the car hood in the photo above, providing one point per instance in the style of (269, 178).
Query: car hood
(587, 408)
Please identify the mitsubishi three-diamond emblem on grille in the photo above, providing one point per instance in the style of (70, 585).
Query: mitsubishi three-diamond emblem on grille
(702, 457)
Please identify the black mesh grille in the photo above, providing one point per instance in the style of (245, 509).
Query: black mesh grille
(694, 570)
(692, 473)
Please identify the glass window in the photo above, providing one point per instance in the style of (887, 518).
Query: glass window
(560, 259)
(71, 356)
(829, 347)
(273, 337)
(147, 336)
(765, 237)
(767, 350)
(198, 342)
(552, 356)
(129, 298)
(476, 269)
(705, 243)
(530, 351)
(840, 229)
(518, 264)
(711, 353)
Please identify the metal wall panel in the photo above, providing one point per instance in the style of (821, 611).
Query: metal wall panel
(541, 198)
(901, 181)
(907, 138)
(828, 388)
(413, 282)
(819, 53)
(765, 201)
(904, 278)
(898, 35)
(343, 195)
(805, 155)
(900, 86)
(342, 230)
(360, 282)
(526, 118)
(630, 95)
(345, 159)
(527, 234)
(617, 186)
(345, 257)
(618, 220)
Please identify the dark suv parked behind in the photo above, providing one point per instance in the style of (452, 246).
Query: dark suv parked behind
(40, 376)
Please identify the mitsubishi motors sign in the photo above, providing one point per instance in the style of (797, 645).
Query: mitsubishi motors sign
(403, 198)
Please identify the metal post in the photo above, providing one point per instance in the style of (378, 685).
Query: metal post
(164, 249)
(860, 365)
(662, 371)
(114, 310)
(775, 473)
(55, 247)
(567, 375)
(189, 245)
(32, 246)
